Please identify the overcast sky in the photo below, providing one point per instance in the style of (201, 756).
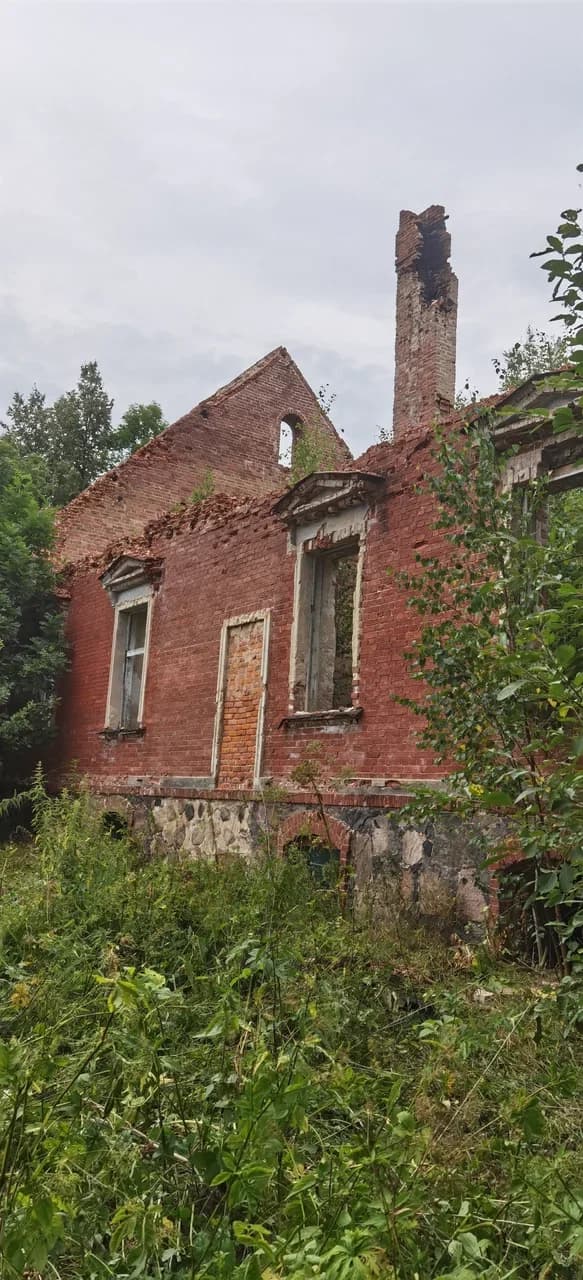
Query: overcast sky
(186, 186)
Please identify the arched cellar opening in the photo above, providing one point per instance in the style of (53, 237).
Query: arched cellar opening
(115, 824)
(322, 861)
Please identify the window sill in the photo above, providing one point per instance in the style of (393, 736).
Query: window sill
(111, 735)
(344, 715)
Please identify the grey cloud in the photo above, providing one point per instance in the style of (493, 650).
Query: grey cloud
(185, 186)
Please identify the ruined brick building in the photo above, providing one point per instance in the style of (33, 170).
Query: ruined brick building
(213, 643)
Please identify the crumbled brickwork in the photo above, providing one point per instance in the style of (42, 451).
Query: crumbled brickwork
(234, 435)
(425, 343)
(232, 557)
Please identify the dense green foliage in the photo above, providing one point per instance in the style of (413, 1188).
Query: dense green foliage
(501, 653)
(31, 639)
(217, 1071)
(73, 439)
(538, 352)
(500, 661)
(72, 436)
(139, 424)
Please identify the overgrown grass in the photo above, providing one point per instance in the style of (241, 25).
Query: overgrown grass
(218, 1072)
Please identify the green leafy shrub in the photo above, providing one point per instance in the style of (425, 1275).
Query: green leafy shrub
(32, 652)
(210, 1070)
(500, 655)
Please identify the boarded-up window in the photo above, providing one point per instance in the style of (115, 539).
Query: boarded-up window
(241, 703)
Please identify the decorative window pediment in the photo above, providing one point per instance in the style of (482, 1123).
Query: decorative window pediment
(326, 492)
(128, 572)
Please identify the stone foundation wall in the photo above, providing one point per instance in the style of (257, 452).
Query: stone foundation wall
(437, 868)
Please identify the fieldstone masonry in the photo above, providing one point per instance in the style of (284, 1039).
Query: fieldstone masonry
(433, 870)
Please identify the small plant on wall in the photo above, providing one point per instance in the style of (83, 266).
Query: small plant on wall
(314, 450)
(204, 489)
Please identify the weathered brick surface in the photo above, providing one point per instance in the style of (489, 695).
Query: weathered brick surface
(241, 704)
(425, 343)
(234, 434)
(236, 560)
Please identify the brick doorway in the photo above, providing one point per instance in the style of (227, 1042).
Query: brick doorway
(241, 695)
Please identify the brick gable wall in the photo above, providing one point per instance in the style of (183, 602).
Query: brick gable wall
(234, 434)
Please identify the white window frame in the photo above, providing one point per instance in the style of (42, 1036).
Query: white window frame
(343, 529)
(125, 602)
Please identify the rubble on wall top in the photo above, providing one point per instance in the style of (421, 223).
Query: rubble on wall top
(213, 512)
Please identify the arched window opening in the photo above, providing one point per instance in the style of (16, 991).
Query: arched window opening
(289, 430)
(286, 445)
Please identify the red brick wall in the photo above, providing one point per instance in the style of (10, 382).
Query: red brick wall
(234, 434)
(241, 703)
(234, 563)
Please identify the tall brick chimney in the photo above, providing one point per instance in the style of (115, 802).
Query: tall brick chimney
(426, 321)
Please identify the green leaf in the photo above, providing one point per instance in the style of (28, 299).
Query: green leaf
(531, 1119)
(470, 1244)
(565, 654)
(567, 877)
(509, 690)
(495, 798)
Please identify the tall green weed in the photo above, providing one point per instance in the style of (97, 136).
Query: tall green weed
(215, 1071)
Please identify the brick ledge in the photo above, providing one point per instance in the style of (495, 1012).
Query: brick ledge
(338, 799)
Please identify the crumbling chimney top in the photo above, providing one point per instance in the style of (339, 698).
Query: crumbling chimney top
(426, 320)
